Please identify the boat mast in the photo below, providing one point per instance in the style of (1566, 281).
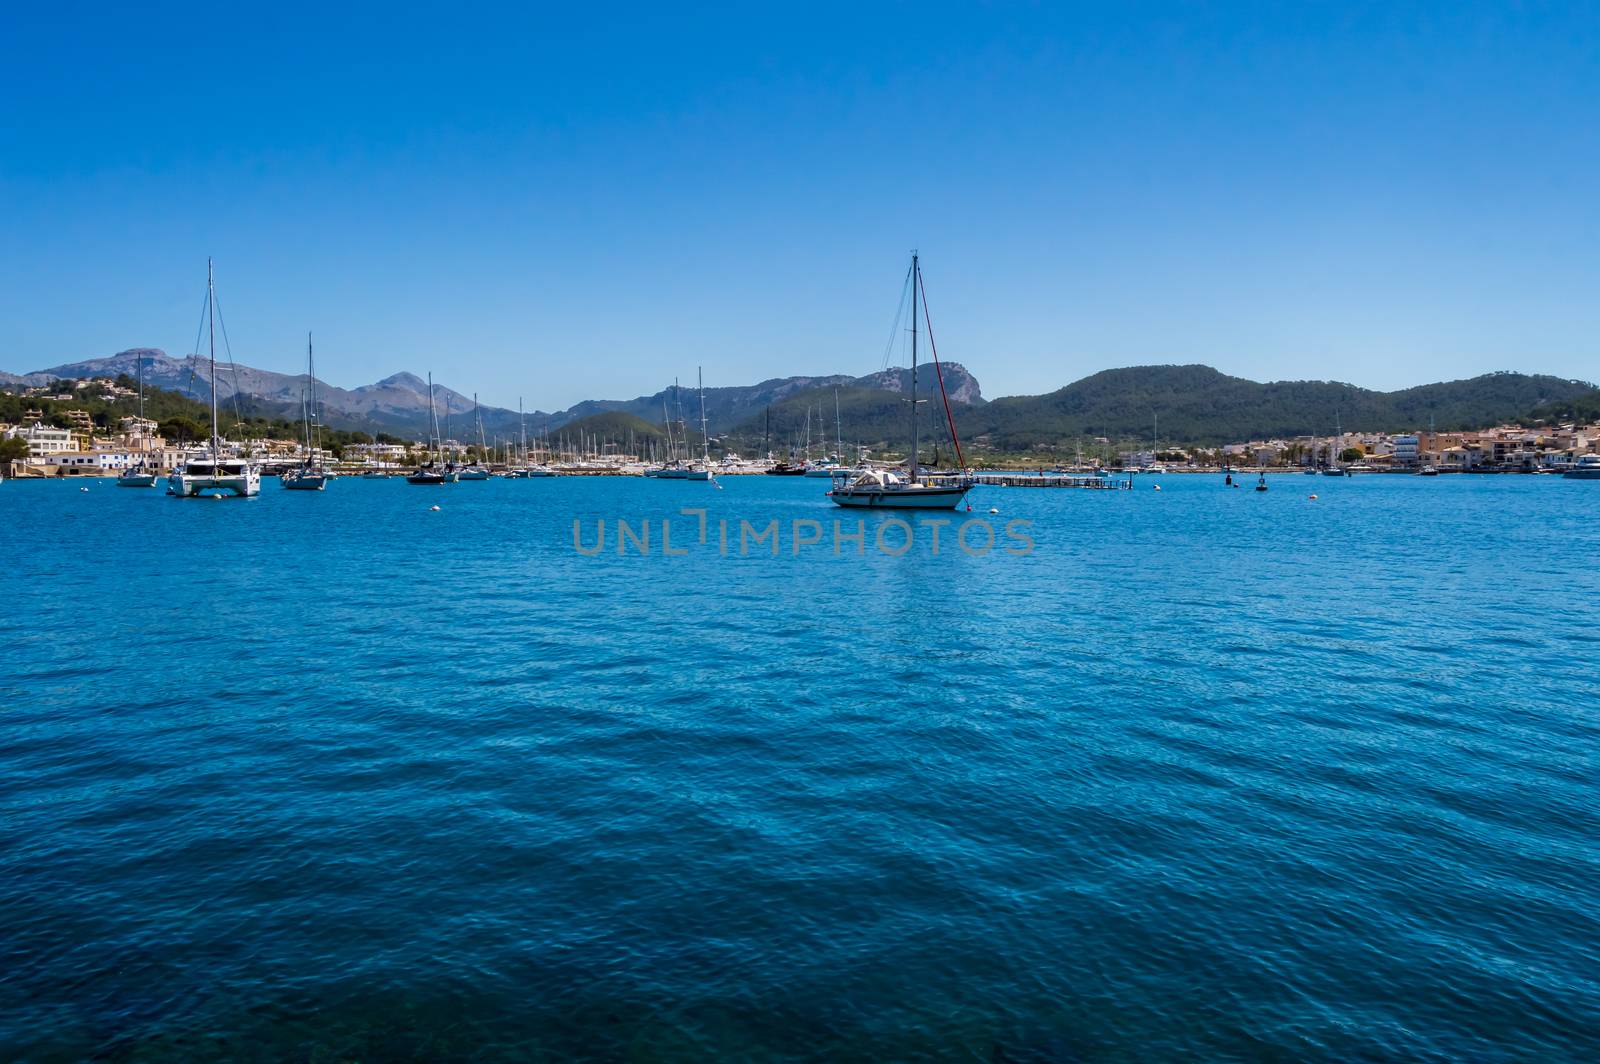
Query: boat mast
(838, 429)
(478, 417)
(311, 411)
(705, 440)
(914, 275)
(433, 419)
(211, 329)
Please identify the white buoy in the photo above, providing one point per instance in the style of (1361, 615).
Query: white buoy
(432, 508)
(83, 489)
(1313, 497)
(994, 509)
(1158, 487)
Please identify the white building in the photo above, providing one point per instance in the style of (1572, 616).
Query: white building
(44, 440)
(1407, 450)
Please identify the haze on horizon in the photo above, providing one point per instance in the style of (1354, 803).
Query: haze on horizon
(565, 205)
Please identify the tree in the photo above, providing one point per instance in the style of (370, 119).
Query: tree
(183, 430)
(13, 449)
(1352, 454)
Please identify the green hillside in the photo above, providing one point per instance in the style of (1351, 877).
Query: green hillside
(1197, 404)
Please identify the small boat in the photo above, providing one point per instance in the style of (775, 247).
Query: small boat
(431, 472)
(879, 488)
(1588, 468)
(214, 471)
(1428, 471)
(784, 469)
(474, 470)
(138, 476)
(1261, 482)
(310, 476)
(375, 474)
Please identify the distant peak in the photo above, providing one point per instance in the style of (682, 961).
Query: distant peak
(402, 380)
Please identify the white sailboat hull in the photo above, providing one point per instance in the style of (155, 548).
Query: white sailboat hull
(906, 498)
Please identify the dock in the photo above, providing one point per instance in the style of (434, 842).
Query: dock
(1086, 481)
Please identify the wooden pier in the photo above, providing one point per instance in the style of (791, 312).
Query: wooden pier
(1086, 481)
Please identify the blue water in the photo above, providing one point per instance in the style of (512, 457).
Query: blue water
(1209, 774)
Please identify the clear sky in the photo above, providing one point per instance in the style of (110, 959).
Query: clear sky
(582, 201)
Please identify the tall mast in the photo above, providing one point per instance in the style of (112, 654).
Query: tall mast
(838, 429)
(311, 411)
(914, 274)
(211, 330)
(705, 440)
(141, 391)
(478, 417)
(433, 417)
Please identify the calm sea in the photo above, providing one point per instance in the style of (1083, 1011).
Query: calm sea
(1207, 774)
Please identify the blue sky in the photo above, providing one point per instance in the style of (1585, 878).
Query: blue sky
(579, 201)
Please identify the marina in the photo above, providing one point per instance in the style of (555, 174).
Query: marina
(974, 533)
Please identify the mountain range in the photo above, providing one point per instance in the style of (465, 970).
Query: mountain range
(1178, 403)
(398, 404)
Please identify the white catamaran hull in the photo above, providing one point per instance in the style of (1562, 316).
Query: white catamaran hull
(187, 487)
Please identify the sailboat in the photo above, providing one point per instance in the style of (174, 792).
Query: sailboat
(213, 471)
(476, 470)
(138, 476)
(674, 468)
(875, 488)
(310, 476)
(1332, 469)
(432, 472)
(703, 470)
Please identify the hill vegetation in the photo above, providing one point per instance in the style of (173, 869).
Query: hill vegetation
(180, 419)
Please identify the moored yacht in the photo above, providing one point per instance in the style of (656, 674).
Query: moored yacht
(138, 476)
(435, 470)
(214, 471)
(310, 476)
(1588, 468)
(875, 488)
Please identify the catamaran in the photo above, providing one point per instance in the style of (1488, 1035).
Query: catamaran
(214, 471)
(139, 476)
(875, 488)
(310, 476)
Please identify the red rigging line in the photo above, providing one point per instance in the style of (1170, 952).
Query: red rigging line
(938, 371)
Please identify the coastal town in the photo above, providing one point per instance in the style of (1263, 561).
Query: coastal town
(56, 439)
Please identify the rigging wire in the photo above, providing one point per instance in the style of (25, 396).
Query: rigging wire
(899, 315)
(938, 373)
(194, 352)
(233, 369)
